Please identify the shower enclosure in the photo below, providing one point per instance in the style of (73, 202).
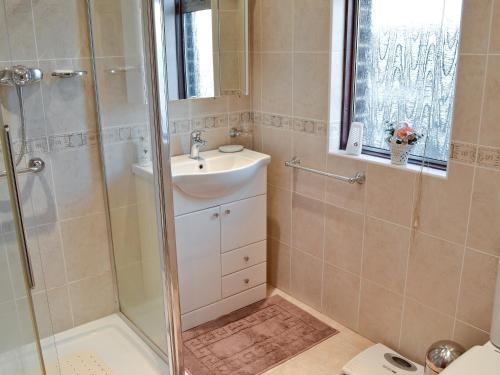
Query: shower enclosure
(82, 101)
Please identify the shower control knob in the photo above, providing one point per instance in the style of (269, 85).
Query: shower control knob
(22, 75)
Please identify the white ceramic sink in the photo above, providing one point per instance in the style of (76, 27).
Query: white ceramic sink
(214, 174)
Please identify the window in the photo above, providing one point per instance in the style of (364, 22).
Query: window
(400, 65)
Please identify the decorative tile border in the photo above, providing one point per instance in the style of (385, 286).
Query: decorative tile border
(489, 157)
(232, 119)
(298, 124)
(463, 152)
(69, 141)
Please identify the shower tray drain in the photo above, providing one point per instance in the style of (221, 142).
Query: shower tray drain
(84, 363)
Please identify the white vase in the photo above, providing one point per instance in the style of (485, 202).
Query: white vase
(400, 153)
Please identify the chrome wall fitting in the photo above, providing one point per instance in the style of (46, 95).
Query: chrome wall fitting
(69, 73)
(20, 75)
(35, 165)
(359, 177)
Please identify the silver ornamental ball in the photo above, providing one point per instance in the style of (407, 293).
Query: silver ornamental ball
(441, 354)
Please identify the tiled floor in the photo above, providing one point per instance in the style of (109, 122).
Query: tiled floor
(121, 350)
(326, 358)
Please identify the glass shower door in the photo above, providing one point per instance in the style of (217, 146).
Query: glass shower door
(20, 348)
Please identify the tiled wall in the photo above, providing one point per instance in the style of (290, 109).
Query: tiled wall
(214, 116)
(64, 205)
(404, 259)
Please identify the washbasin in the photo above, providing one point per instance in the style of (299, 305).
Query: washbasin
(216, 174)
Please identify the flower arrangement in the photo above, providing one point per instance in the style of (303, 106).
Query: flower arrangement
(402, 135)
(402, 138)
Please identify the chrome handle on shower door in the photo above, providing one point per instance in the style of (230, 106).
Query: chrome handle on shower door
(10, 172)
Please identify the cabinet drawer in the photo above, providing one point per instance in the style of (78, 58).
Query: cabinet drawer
(243, 223)
(243, 280)
(244, 257)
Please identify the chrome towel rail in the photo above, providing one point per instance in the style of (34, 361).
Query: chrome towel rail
(35, 165)
(359, 177)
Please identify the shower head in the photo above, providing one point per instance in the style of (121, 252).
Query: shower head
(19, 76)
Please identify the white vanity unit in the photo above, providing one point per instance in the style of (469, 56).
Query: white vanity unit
(220, 224)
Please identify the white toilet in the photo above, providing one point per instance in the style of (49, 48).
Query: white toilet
(482, 360)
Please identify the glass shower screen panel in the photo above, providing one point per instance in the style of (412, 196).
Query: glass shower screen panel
(123, 100)
(19, 338)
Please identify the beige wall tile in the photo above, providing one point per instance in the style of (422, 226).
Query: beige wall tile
(51, 18)
(256, 81)
(390, 194)
(277, 83)
(306, 278)
(77, 182)
(310, 150)
(468, 98)
(279, 214)
(18, 41)
(475, 26)
(85, 246)
(434, 272)
(308, 225)
(422, 327)
(51, 255)
(343, 238)
(495, 30)
(208, 106)
(126, 237)
(380, 314)
(277, 144)
(341, 194)
(119, 158)
(178, 109)
(341, 296)
(313, 16)
(278, 270)
(490, 128)
(60, 309)
(385, 254)
(68, 103)
(477, 289)
(469, 336)
(255, 28)
(310, 88)
(276, 25)
(443, 208)
(92, 298)
(485, 212)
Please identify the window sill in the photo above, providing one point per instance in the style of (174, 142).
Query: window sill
(387, 162)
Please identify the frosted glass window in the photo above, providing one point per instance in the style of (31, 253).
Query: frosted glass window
(406, 62)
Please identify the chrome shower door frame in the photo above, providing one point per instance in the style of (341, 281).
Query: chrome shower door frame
(156, 72)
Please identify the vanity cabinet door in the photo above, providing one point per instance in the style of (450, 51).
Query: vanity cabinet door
(198, 258)
(243, 223)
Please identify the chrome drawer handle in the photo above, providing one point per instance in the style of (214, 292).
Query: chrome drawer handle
(227, 212)
(246, 281)
(216, 215)
(246, 258)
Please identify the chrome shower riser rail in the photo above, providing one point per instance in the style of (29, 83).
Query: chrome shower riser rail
(35, 165)
(359, 177)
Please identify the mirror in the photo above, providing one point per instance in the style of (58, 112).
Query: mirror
(210, 57)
